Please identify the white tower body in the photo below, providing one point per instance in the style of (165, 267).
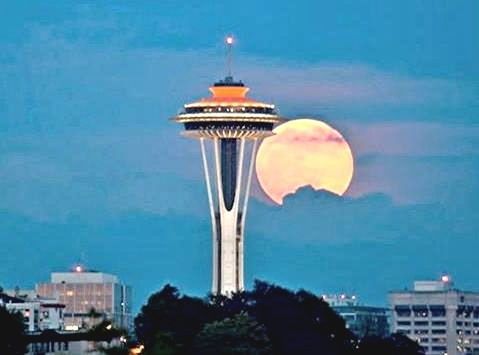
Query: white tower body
(229, 126)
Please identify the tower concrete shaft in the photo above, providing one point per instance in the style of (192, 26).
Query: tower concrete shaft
(229, 127)
(228, 180)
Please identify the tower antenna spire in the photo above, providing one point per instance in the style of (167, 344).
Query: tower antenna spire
(229, 55)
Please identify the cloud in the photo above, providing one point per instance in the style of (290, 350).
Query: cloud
(85, 120)
(347, 244)
(129, 244)
(311, 134)
(409, 179)
(323, 217)
(345, 83)
(89, 160)
(60, 79)
(316, 240)
(413, 162)
(111, 133)
(413, 138)
(53, 177)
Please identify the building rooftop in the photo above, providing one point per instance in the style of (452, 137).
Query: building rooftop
(432, 286)
(4, 299)
(83, 277)
(80, 274)
(444, 284)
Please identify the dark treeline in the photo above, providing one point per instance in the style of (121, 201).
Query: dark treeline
(266, 320)
(12, 333)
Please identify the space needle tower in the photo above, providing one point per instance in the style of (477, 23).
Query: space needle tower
(229, 125)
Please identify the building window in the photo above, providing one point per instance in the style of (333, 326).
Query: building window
(403, 311)
(437, 311)
(421, 323)
(464, 311)
(421, 331)
(420, 311)
(421, 314)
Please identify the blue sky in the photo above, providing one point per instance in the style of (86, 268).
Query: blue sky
(92, 168)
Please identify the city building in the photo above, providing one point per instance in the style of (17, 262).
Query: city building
(89, 297)
(229, 126)
(360, 319)
(444, 320)
(38, 313)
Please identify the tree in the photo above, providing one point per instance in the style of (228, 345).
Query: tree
(164, 344)
(292, 323)
(396, 344)
(406, 346)
(168, 312)
(299, 323)
(12, 334)
(239, 335)
(94, 317)
(105, 331)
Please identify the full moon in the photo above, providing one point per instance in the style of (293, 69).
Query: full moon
(304, 152)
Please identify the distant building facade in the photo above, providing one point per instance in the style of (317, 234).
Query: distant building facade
(442, 319)
(361, 320)
(38, 313)
(89, 296)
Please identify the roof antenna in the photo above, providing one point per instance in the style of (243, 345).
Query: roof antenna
(229, 57)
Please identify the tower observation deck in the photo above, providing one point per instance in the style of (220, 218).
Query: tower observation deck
(229, 126)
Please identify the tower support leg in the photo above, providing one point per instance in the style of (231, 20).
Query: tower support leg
(227, 187)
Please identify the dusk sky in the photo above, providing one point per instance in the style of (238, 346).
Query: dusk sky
(93, 169)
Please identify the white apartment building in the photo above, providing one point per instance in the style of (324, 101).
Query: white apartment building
(38, 313)
(442, 319)
(83, 291)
